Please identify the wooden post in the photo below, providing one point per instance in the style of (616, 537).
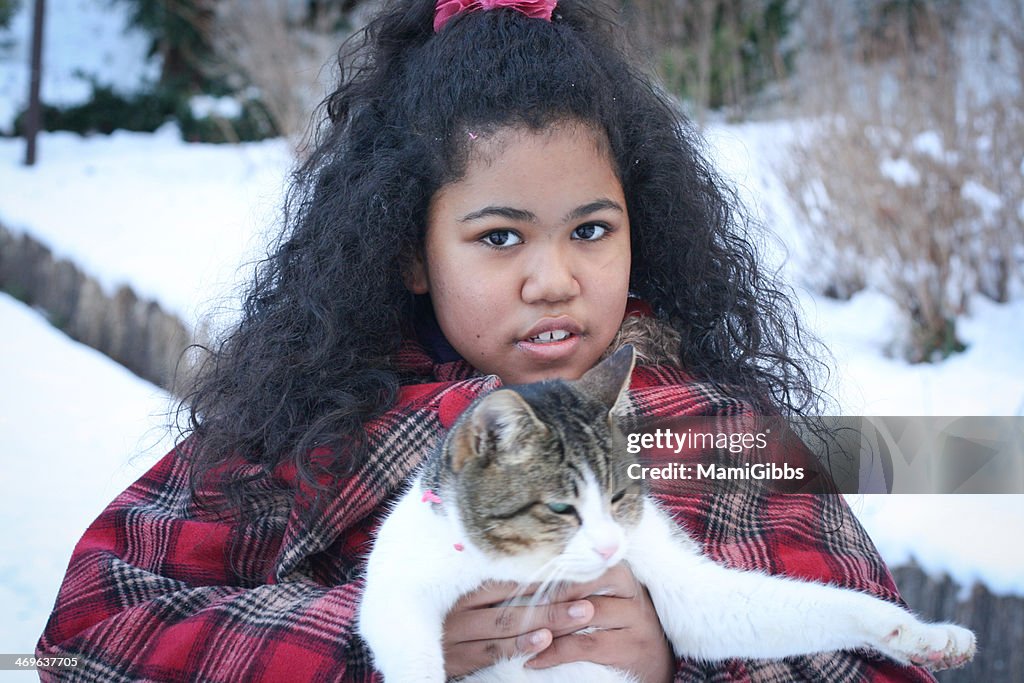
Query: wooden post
(33, 117)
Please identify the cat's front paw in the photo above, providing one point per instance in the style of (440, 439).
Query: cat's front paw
(934, 646)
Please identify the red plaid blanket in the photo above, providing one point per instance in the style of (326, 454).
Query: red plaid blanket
(150, 594)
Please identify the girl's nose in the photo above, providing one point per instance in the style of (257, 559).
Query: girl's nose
(549, 277)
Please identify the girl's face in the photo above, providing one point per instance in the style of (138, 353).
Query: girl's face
(527, 257)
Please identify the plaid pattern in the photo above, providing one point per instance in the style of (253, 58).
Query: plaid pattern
(150, 594)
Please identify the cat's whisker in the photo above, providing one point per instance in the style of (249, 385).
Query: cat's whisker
(544, 577)
(547, 588)
(544, 592)
(540, 576)
(518, 597)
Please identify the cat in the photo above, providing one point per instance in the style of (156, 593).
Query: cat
(530, 484)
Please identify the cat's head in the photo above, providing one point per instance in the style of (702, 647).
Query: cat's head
(540, 472)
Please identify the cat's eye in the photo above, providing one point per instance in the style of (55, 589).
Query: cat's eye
(561, 508)
(618, 496)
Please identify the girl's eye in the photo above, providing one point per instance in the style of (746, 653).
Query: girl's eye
(590, 232)
(501, 238)
(561, 508)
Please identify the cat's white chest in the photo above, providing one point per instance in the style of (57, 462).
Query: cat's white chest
(422, 563)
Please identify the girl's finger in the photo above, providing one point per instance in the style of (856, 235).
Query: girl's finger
(490, 623)
(466, 657)
(611, 612)
(598, 647)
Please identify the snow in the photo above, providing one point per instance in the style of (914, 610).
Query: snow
(175, 220)
(744, 153)
(900, 171)
(967, 537)
(203, 106)
(83, 39)
(929, 143)
(179, 222)
(988, 201)
(988, 379)
(75, 430)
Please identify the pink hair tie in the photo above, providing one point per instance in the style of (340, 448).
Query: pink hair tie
(535, 9)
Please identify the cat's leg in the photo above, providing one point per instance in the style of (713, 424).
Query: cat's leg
(711, 612)
(936, 646)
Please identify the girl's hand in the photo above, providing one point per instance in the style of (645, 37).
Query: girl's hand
(477, 633)
(631, 638)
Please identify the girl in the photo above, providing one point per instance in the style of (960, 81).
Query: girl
(495, 192)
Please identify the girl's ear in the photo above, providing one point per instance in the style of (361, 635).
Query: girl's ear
(415, 275)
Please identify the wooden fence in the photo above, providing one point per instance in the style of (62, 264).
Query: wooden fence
(997, 621)
(136, 333)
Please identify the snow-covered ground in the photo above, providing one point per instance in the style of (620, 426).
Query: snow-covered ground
(968, 537)
(178, 222)
(75, 430)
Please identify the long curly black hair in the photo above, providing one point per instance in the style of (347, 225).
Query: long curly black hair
(312, 359)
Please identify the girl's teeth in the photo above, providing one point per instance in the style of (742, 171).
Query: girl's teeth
(553, 336)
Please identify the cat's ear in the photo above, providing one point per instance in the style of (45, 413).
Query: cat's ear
(608, 381)
(495, 429)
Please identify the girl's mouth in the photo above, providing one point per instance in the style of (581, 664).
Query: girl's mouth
(550, 336)
(550, 347)
(551, 340)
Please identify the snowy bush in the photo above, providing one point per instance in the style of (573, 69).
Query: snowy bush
(910, 179)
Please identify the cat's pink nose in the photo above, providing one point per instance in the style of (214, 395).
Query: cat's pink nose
(607, 551)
